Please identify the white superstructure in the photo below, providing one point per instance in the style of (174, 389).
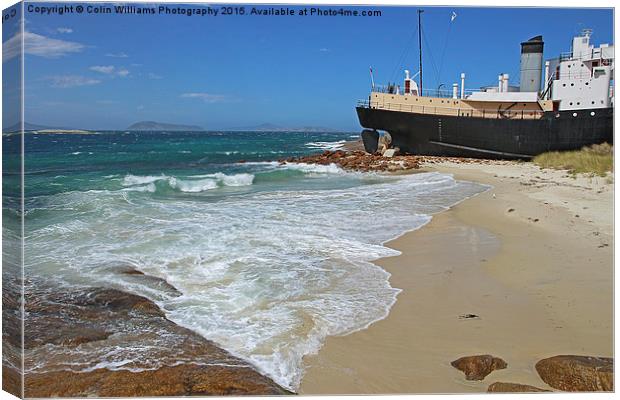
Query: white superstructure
(583, 78)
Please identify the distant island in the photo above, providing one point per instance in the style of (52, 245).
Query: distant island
(29, 127)
(268, 127)
(161, 126)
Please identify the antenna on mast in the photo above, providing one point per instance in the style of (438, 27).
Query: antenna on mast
(420, 11)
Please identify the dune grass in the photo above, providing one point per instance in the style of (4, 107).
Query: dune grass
(596, 159)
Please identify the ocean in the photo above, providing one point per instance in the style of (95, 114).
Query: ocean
(267, 259)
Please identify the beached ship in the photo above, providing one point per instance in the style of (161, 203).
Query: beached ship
(572, 108)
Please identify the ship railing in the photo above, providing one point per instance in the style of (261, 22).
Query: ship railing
(437, 93)
(593, 55)
(455, 112)
(445, 94)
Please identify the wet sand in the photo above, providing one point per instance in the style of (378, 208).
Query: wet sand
(531, 259)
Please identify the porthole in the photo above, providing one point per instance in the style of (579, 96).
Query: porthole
(557, 115)
(568, 65)
(574, 114)
(564, 85)
(578, 103)
(430, 101)
(601, 101)
(592, 102)
(571, 103)
(587, 83)
(593, 113)
(572, 84)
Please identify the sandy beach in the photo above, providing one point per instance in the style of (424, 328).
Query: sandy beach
(530, 260)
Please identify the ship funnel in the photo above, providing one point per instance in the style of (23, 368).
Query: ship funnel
(531, 64)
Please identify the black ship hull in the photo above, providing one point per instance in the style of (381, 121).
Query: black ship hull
(440, 135)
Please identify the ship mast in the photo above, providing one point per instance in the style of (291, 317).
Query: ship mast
(420, 44)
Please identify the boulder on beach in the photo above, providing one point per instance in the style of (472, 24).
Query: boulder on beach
(476, 368)
(577, 373)
(509, 387)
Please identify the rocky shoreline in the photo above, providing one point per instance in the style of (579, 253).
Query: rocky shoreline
(106, 342)
(360, 161)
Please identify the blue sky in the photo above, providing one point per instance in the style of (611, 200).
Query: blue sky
(108, 71)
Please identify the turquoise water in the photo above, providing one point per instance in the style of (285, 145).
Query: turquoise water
(269, 259)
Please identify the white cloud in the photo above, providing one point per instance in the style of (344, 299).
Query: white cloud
(104, 69)
(206, 97)
(154, 76)
(110, 70)
(68, 81)
(64, 30)
(324, 49)
(38, 45)
(117, 55)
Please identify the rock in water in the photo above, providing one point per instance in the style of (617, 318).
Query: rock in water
(577, 373)
(508, 387)
(476, 368)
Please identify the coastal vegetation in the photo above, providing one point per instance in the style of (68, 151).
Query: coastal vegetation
(596, 159)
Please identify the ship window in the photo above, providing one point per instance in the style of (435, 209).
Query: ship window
(601, 101)
(592, 113)
(587, 83)
(571, 103)
(568, 65)
(578, 103)
(430, 101)
(592, 102)
(564, 85)
(572, 84)
(574, 114)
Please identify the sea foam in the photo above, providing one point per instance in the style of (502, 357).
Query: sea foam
(266, 274)
(189, 184)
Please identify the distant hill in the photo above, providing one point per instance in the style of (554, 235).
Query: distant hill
(268, 127)
(28, 127)
(161, 126)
